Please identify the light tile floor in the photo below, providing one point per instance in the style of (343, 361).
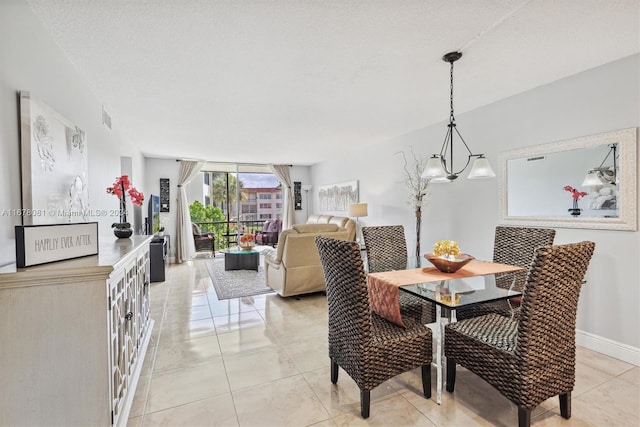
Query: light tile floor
(262, 361)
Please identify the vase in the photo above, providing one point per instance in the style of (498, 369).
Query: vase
(123, 233)
(575, 210)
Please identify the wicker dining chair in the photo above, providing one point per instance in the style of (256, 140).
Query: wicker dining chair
(532, 358)
(513, 246)
(386, 249)
(367, 347)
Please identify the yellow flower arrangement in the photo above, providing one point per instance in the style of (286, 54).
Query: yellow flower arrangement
(446, 248)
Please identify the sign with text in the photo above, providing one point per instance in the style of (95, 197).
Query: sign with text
(41, 244)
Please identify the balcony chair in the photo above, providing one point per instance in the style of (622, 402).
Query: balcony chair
(513, 246)
(369, 348)
(532, 358)
(386, 249)
(203, 241)
(269, 233)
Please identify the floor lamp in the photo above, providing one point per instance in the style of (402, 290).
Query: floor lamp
(358, 210)
(306, 189)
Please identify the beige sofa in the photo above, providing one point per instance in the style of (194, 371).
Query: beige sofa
(294, 268)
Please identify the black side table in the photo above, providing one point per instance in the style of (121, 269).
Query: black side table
(158, 258)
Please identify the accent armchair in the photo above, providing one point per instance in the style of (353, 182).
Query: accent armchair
(269, 233)
(203, 241)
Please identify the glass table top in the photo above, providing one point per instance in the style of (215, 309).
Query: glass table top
(456, 293)
(236, 250)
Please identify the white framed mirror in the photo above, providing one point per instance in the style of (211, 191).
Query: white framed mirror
(535, 183)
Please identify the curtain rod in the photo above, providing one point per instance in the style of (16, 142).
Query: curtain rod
(231, 163)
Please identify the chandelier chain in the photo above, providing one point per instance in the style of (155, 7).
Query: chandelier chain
(451, 118)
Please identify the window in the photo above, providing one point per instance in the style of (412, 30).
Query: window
(278, 205)
(241, 193)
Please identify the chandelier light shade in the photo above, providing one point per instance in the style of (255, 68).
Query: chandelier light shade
(592, 179)
(595, 176)
(440, 166)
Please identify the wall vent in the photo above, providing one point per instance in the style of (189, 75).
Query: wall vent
(533, 159)
(106, 118)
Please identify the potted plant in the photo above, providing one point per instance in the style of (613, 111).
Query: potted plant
(575, 195)
(120, 188)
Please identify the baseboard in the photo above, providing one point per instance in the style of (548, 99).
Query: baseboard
(611, 348)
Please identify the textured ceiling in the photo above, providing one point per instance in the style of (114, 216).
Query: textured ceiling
(284, 81)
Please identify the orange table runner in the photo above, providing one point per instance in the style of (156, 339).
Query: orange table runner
(384, 294)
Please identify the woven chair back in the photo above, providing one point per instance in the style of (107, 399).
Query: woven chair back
(347, 296)
(516, 246)
(547, 324)
(386, 248)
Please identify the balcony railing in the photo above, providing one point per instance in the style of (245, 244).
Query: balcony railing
(226, 232)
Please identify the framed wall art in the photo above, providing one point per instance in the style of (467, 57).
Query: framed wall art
(54, 165)
(338, 197)
(164, 194)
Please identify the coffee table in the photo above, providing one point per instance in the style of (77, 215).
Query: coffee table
(236, 258)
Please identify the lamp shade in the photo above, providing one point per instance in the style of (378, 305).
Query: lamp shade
(434, 168)
(358, 210)
(306, 187)
(592, 179)
(481, 169)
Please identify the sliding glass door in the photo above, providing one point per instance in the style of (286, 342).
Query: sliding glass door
(236, 199)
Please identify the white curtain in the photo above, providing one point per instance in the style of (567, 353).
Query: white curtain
(185, 247)
(282, 173)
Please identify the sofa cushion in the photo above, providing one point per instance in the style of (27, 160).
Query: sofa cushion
(340, 221)
(315, 228)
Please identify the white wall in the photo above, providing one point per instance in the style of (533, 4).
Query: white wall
(30, 61)
(599, 100)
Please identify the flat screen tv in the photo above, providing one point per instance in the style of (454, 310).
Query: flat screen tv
(154, 214)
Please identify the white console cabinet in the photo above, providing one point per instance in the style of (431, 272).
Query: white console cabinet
(73, 336)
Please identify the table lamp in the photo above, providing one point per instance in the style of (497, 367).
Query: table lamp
(358, 210)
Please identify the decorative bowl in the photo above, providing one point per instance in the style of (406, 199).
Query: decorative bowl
(247, 247)
(447, 265)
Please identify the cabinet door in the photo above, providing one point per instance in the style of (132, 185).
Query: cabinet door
(123, 336)
(142, 297)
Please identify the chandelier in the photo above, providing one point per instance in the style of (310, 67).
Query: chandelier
(438, 168)
(600, 176)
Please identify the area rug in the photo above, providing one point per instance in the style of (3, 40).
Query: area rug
(236, 283)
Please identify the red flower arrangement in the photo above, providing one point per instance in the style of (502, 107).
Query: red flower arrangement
(120, 188)
(575, 195)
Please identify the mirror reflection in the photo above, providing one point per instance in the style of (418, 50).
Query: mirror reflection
(538, 184)
(587, 182)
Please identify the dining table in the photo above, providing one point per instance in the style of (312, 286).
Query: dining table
(475, 283)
